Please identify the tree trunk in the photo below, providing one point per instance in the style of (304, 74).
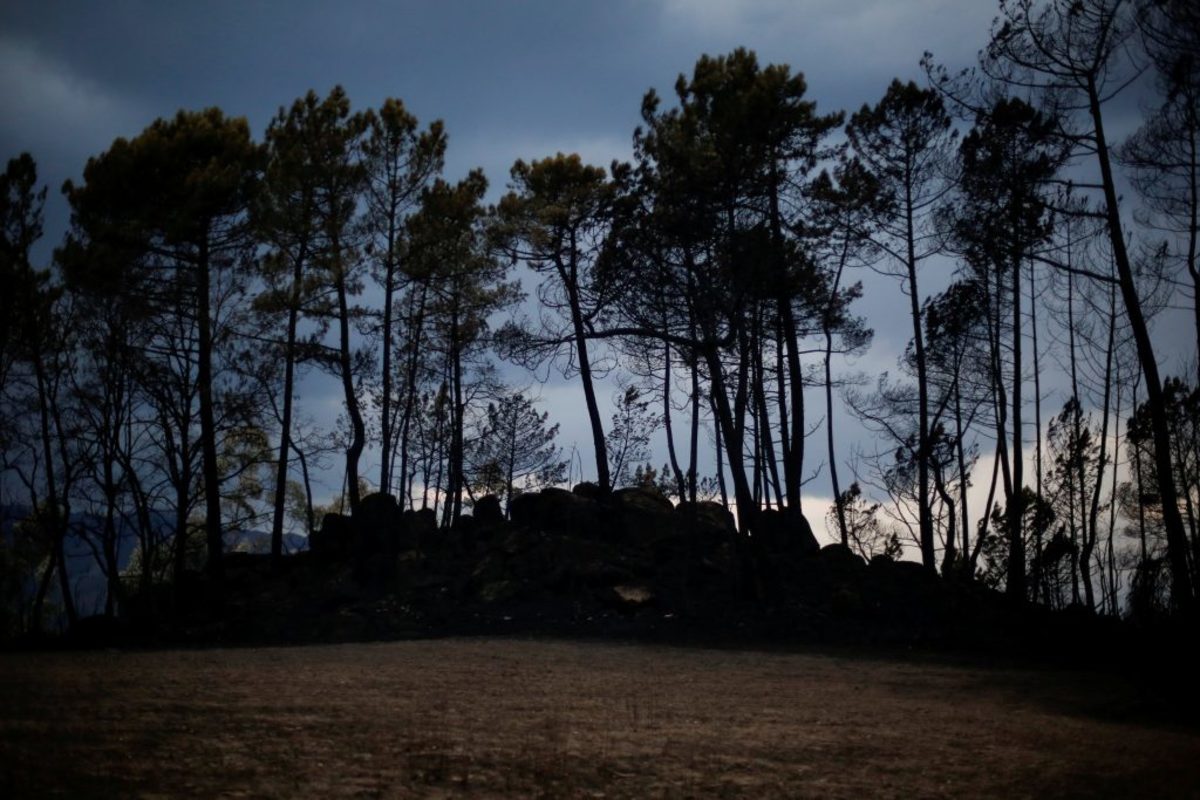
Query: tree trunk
(925, 519)
(208, 432)
(1181, 580)
(357, 429)
(1016, 507)
(285, 431)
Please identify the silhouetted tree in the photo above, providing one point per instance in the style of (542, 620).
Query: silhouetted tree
(722, 177)
(512, 449)
(287, 218)
(1069, 56)
(904, 142)
(467, 285)
(556, 219)
(174, 200)
(400, 163)
(1007, 159)
(1164, 155)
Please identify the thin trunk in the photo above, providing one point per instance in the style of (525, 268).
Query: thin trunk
(985, 521)
(827, 327)
(357, 429)
(1094, 514)
(603, 477)
(309, 514)
(925, 520)
(1113, 575)
(793, 465)
(285, 431)
(833, 473)
(208, 432)
(410, 390)
(694, 438)
(1073, 475)
(960, 456)
(680, 485)
(1181, 580)
(385, 410)
(1016, 518)
(1037, 424)
(58, 525)
(770, 467)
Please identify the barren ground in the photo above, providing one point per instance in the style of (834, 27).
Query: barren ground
(506, 717)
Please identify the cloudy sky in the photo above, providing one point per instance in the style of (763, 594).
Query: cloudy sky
(510, 79)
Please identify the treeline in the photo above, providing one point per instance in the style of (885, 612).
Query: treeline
(153, 368)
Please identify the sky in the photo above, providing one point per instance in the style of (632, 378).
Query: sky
(510, 80)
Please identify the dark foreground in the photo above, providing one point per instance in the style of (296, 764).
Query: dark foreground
(535, 718)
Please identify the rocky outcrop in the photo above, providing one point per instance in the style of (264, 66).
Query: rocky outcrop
(629, 552)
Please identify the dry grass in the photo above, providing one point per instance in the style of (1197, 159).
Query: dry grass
(498, 717)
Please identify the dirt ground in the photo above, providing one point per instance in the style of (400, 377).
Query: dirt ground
(522, 718)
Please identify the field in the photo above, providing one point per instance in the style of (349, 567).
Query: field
(509, 717)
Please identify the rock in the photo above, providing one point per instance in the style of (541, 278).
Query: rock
(463, 533)
(589, 490)
(785, 532)
(487, 510)
(643, 497)
(522, 509)
(558, 511)
(380, 526)
(644, 516)
(422, 526)
(841, 559)
(635, 595)
(498, 591)
(711, 521)
(333, 541)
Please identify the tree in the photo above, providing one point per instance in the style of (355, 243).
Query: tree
(904, 142)
(1007, 159)
(174, 200)
(557, 218)
(513, 449)
(1183, 414)
(1070, 56)
(1163, 157)
(714, 265)
(287, 221)
(845, 206)
(400, 163)
(340, 177)
(467, 285)
(628, 441)
(864, 531)
(960, 379)
(35, 335)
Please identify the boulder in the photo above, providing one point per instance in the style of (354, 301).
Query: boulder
(422, 526)
(841, 560)
(464, 531)
(334, 539)
(644, 515)
(785, 532)
(522, 509)
(589, 490)
(632, 595)
(645, 498)
(380, 526)
(558, 511)
(487, 511)
(709, 521)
